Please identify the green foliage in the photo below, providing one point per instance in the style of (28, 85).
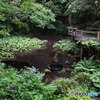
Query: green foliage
(6, 56)
(2, 16)
(96, 24)
(65, 88)
(87, 72)
(63, 85)
(58, 26)
(83, 79)
(26, 85)
(47, 70)
(76, 98)
(64, 46)
(70, 96)
(78, 5)
(21, 44)
(36, 14)
(85, 66)
(4, 33)
(16, 44)
(20, 14)
(90, 43)
(57, 6)
(96, 79)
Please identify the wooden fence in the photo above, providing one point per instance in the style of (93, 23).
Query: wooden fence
(80, 33)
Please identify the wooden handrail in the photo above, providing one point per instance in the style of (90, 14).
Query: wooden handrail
(91, 28)
(75, 32)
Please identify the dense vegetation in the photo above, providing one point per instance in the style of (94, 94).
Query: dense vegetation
(27, 85)
(19, 19)
(64, 46)
(10, 45)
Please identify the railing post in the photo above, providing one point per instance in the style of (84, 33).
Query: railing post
(81, 33)
(98, 35)
(68, 31)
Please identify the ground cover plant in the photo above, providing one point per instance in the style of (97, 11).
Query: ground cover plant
(10, 45)
(27, 85)
(87, 72)
(64, 46)
(88, 43)
(6, 56)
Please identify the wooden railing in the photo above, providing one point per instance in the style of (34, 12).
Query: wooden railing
(80, 33)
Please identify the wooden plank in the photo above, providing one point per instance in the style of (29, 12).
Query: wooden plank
(98, 36)
(90, 32)
(91, 28)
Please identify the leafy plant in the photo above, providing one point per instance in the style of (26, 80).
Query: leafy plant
(63, 85)
(72, 94)
(6, 56)
(64, 46)
(10, 45)
(47, 70)
(90, 43)
(96, 24)
(36, 13)
(26, 85)
(87, 72)
(96, 79)
(4, 33)
(85, 66)
(83, 78)
(21, 44)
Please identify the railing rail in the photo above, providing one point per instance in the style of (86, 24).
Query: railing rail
(80, 33)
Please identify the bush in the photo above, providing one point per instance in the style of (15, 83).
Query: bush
(87, 72)
(83, 79)
(37, 13)
(26, 85)
(6, 56)
(86, 65)
(19, 15)
(16, 44)
(71, 94)
(96, 24)
(21, 44)
(63, 85)
(64, 46)
(4, 33)
(96, 79)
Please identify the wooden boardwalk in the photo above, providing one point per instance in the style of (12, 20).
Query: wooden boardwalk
(84, 34)
(81, 35)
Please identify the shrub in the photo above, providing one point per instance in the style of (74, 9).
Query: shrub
(4, 33)
(96, 79)
(10, 45)
(86, 65)
(37, 14)
(6, 56)
(83, 78)
(64, 46)
(26, 85)
(87, 72)
(90, 43)
(71, 96)
(96, 24)
(63, 85)
(21, 44)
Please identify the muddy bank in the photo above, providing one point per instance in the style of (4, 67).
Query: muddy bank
(44, 57)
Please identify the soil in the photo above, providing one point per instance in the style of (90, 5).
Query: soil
(44, 57)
